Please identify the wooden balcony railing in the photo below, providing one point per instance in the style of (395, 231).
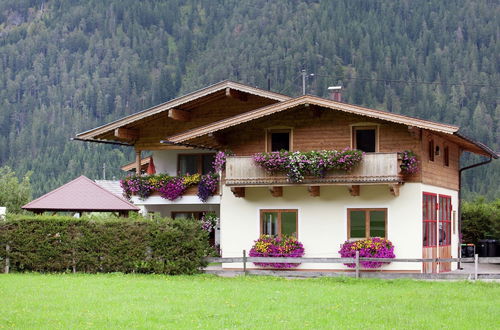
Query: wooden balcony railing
(374, 168)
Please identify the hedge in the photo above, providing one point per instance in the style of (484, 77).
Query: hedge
(67, 244)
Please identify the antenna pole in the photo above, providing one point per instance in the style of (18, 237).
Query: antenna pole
(304, 81)
(104, 171)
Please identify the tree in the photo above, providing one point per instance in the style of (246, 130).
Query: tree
(480, 219)
(14, 194)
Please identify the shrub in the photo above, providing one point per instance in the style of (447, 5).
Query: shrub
(409, 163)
(61, 244)
(270, 246)
(298, 164)
(368, 248)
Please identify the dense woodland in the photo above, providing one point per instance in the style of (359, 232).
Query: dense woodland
(67, 66)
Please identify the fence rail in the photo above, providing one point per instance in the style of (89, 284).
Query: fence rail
(357, 260)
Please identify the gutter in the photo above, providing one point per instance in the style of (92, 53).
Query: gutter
(100, 141)
(460, 202)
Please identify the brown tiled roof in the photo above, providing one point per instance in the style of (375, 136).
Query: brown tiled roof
(80, 195)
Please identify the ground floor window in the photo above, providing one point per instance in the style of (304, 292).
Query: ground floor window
(188, 215)
(278, 222)
(429, 217)
(445, 220)
(365, 223)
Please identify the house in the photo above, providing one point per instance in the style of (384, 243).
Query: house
(416, 211)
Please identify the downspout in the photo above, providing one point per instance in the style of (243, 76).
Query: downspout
(460, 202)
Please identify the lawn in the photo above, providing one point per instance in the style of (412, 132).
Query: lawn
(203, 301)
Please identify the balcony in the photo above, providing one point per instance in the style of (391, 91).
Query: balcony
(375, 168)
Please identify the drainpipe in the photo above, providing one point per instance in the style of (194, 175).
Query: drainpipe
(460, 202)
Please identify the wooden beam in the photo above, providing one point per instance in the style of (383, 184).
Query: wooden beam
(314, 191)
(276, 191)
(394, 189)
(138, 162)
(238, 191)
(235, 94)
(129, 134)
(180, 115)
(354, 190)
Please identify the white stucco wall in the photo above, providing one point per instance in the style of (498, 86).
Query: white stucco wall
(166, 160)
(322, 221)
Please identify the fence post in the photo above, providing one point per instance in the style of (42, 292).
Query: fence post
(7, 259)
(244, 262)
(357, 264)
(476, 262)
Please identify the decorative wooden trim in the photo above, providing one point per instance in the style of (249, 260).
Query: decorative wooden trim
(354, 190)
(238, 192)
(235, 94)
(128, 134)
(314, 191)
(394, 189)
(180, 115)
(276, 191)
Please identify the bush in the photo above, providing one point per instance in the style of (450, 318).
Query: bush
(480, 219)
(62, 244)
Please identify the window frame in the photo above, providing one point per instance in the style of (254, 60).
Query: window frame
(365, 126)
(269, 139)
(198, 213)
(446, 156)
(367, 221)
(431, 221)
(445, 208)
(199, 161)
(279, 211)
(430, 151)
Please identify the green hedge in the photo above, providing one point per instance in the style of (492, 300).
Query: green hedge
(66, 244)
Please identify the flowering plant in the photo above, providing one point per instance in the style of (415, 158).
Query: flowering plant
(191, 180)
(143, 186)
(314, 163)
(219, 162)
(209, 221)
(409, 164)
(369, 248)
(207, 186)
(271, 246)
(173, 189)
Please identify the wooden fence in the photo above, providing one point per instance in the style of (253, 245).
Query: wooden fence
(356, 261)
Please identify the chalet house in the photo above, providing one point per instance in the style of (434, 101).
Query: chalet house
(417, 212)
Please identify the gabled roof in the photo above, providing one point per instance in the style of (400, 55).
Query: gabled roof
(80, 195)
(329, 104)
(93, 134)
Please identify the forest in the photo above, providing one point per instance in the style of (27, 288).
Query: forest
(67, 66)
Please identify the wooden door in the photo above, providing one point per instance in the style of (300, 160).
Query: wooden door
(429, 230)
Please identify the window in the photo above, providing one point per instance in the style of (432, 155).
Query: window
(429, 217)
(195, 163)
(278, 222)
(446, 156)
(431, 150)
(365, 223)
(444, 220)
(279, 139)
(188, 215)
(365, 138)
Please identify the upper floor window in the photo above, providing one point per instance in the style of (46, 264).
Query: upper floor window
(366, 223)
(195, 163)
(446, 156)
(279, 139)
(365, 138)
(431, 150)
(278, 222)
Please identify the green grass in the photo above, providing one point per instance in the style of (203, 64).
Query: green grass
(154, 301)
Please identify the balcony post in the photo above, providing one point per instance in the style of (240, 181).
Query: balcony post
(138, 162)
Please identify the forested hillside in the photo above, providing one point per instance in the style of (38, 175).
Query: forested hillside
(67, 66)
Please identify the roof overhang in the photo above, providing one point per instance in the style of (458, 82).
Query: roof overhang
(195, 135)
(210, 93)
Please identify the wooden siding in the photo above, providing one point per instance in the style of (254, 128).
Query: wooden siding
(375, 168)
(435, 172)
(158, 127)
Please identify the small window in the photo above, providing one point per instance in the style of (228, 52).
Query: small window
(279, 140)
(365, 138)
(195, 163)
(446, 156)
(278, 222)
(366, 223)
(431, 150)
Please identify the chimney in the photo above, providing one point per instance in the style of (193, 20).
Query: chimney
(336, 93)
